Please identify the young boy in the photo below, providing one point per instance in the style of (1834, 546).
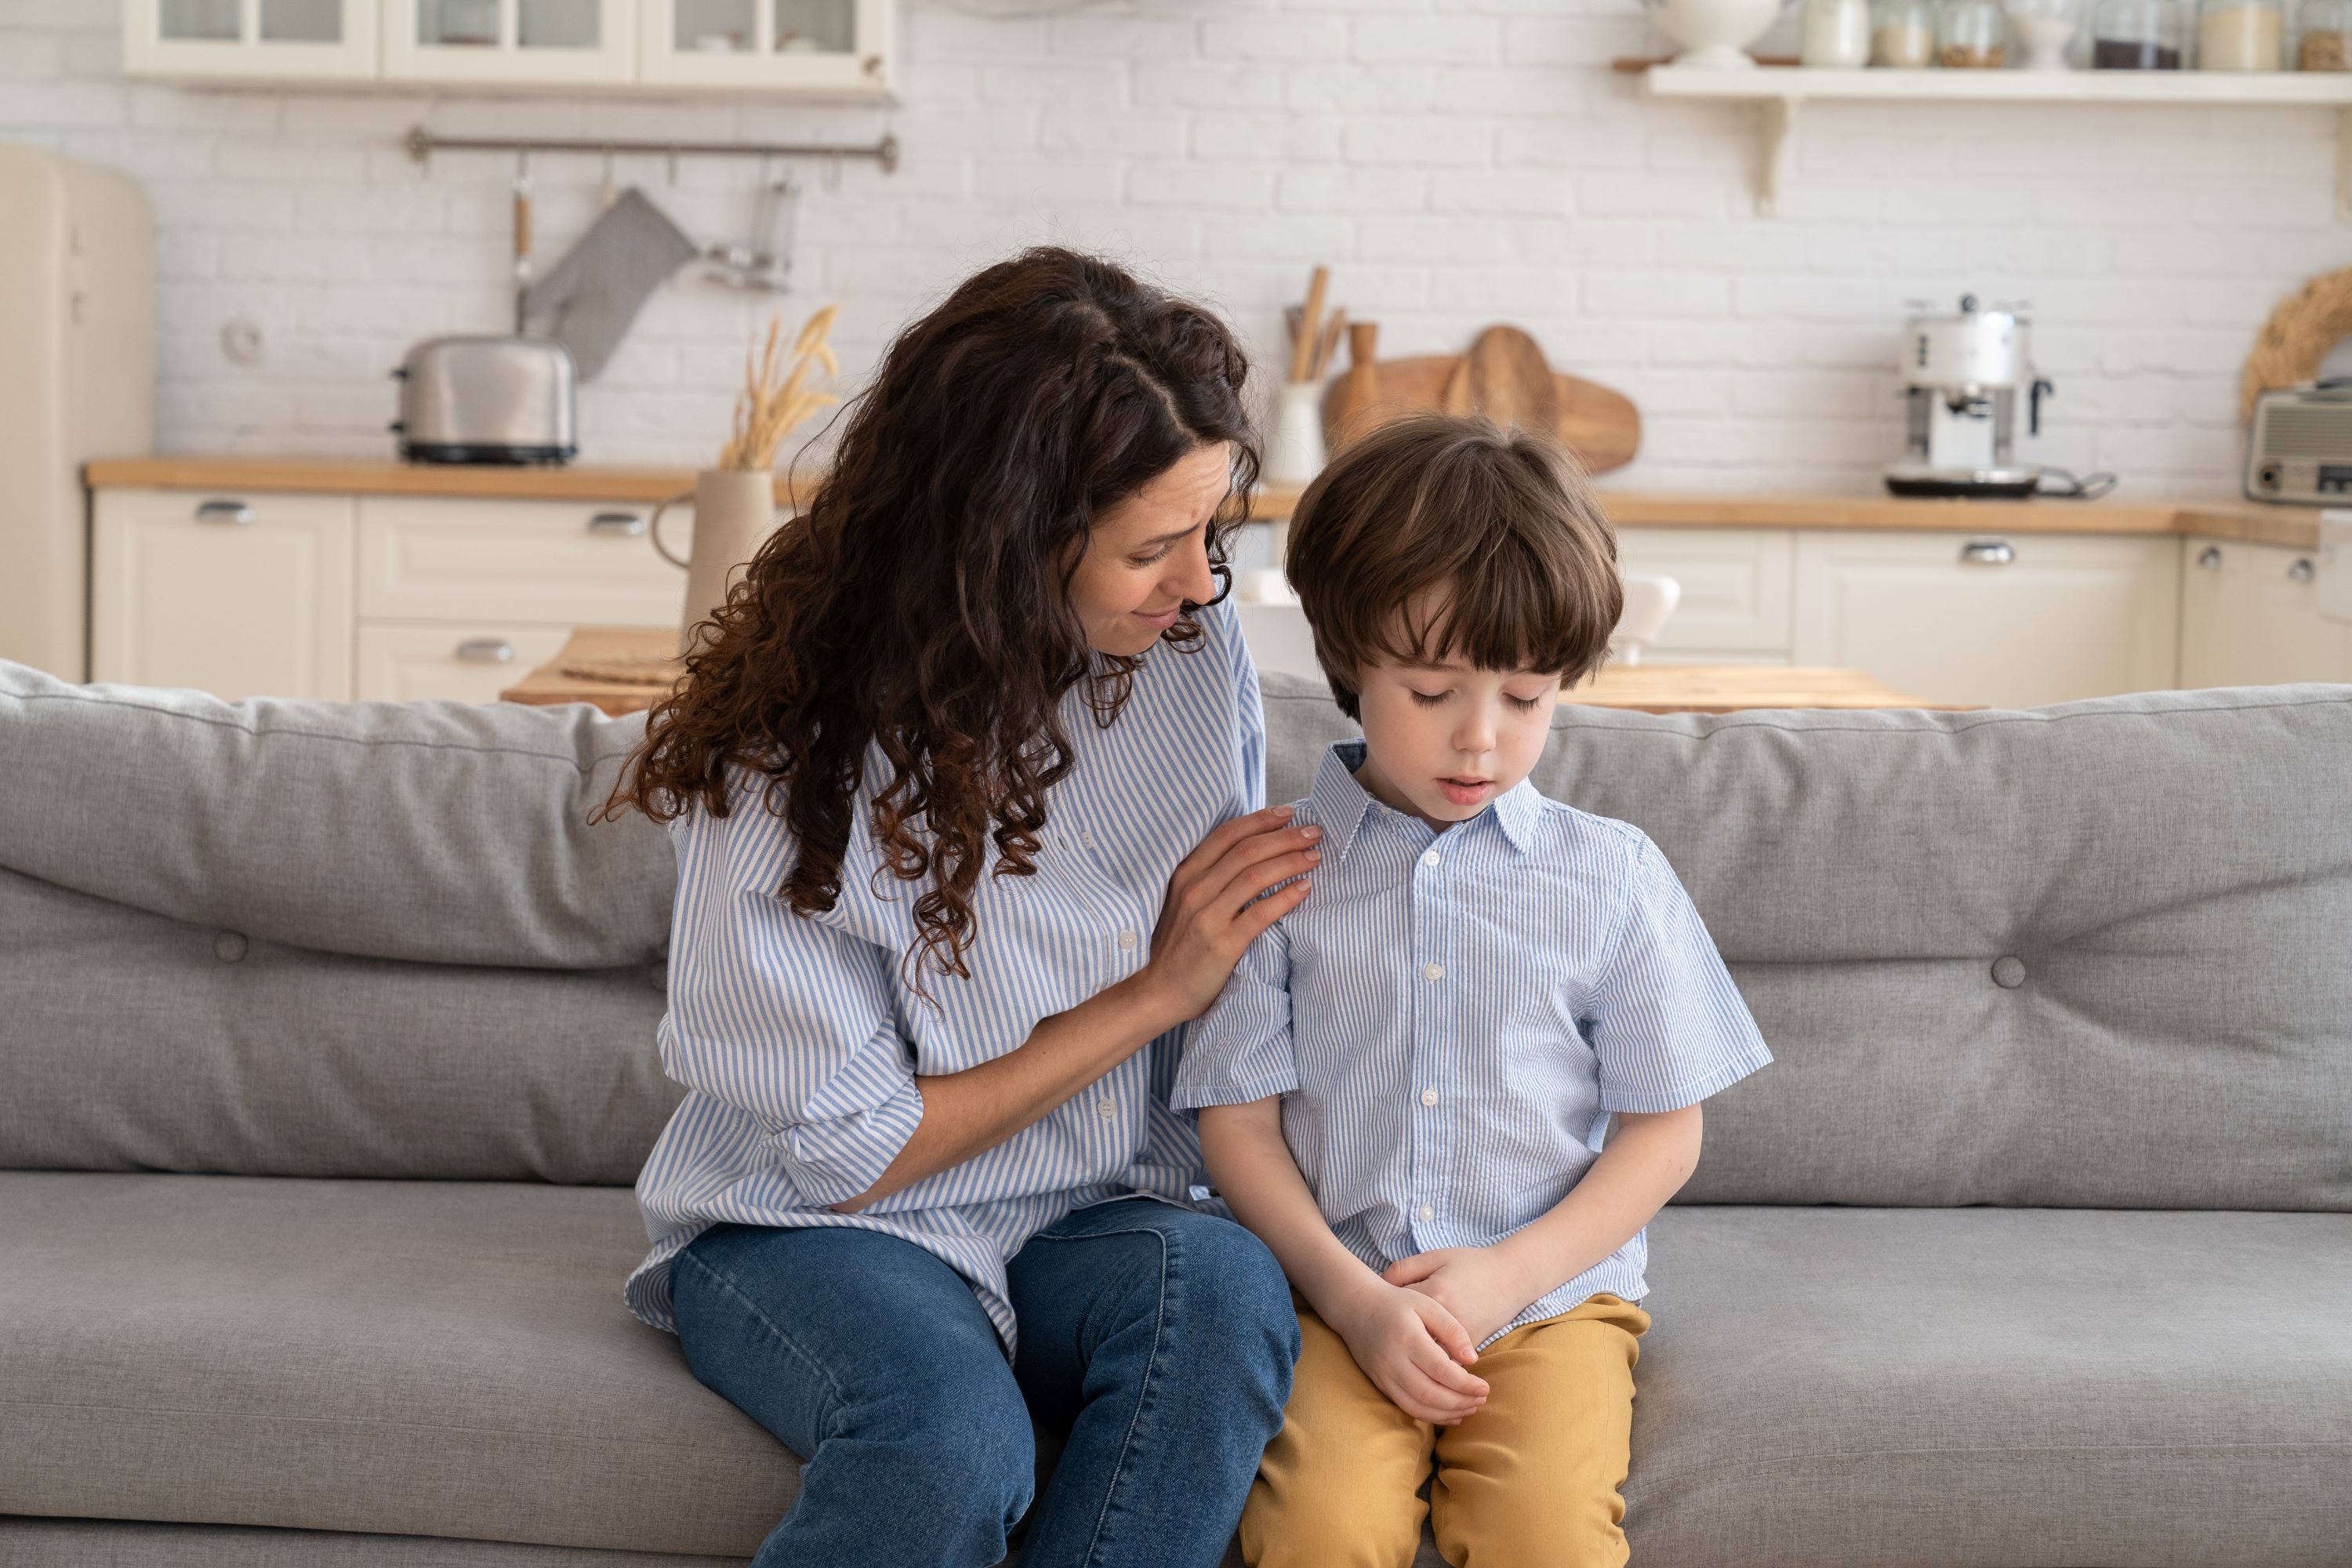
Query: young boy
(1404, 1090)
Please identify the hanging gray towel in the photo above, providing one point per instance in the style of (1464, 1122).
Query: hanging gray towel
(587, 300)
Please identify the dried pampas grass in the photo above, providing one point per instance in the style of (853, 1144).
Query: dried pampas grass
(2306, 324)
(776, 396)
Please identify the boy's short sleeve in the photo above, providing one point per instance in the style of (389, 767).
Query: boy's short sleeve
(1240, 1050)
(1667, 1023)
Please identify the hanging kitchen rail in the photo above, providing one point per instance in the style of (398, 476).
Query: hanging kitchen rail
(422, 144)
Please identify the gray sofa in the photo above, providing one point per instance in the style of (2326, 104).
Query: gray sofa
(326, 1061)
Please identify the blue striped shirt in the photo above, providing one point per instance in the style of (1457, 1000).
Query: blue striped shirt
(799, 1039)
(1450, 1019)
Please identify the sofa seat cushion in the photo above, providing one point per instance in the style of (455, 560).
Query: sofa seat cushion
(414, 1358)
(1823, 1386)
(1982, 1388)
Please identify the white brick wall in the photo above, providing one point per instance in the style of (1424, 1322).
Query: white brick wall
(1457, 162)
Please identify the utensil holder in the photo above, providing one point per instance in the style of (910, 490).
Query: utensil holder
(734, 512)
(1296, 453)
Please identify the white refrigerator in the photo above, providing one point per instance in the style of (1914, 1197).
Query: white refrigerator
(77, 382)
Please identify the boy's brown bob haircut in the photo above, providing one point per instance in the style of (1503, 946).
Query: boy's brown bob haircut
(1500, 523)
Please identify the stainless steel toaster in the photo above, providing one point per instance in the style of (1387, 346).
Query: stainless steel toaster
(486, 400)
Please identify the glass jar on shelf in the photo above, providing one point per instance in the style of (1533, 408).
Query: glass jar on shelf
(1902, 33)
(2326, 44)
(1971, 34)
(1835, 35)
(2240, 36)
(2139, 36)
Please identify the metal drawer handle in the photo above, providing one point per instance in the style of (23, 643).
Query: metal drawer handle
(485, 650)
(2210, 558)
(235, 511)
(618, 524)
(2302, 571)
(1989, 551)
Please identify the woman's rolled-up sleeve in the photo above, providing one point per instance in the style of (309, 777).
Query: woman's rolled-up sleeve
(791, 1021)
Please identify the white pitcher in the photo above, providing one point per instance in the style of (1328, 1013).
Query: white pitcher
(734, 512)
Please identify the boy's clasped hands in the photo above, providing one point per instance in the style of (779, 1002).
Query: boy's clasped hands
(1416, 1327)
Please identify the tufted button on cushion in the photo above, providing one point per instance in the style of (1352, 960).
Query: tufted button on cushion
(229, 946)
(2009, 972)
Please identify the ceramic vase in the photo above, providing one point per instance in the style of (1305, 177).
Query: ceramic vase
(734, 512)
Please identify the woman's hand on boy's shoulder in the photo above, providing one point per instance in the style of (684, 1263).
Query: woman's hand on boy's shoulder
(1482, 1286)
(1412, 1350)
(1222, 896)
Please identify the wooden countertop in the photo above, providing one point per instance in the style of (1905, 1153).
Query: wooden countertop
(627, 669)
(2294, 528)
(356, 476)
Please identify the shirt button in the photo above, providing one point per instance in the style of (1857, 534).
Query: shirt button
(1427, 1213)
(1087, 839)
(1434, 971)
(1107, 1110)
(1431, 858)
(1127, 939)
(1429, 1097)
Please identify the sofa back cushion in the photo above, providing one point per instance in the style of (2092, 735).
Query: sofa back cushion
(2092, 955)
(330, 940)
(2097, 954)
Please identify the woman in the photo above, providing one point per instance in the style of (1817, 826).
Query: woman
(965, 793)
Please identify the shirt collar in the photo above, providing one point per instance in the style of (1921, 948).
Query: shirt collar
(1340, 803)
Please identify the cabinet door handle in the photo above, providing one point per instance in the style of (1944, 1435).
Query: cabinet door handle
(235, 511)
(2302, 571)
(485, 650)
(618, 524)
(2210, 558)
(1989, 551)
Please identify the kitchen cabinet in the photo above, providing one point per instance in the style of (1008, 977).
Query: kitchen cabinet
(240, 596)
(250, 40)
(822, 49)
(817, 46)
(461, 661)
(1736, 601)
(2250, 616)
(2005, 621)
(274, 594)
(509, 43)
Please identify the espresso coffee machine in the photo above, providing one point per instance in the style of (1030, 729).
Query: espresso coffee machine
(1962, 377)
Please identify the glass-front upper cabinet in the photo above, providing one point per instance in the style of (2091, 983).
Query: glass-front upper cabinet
(509, 41)
(251, 40)
(809, 46)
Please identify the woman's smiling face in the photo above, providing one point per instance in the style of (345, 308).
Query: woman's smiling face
(1147, 557)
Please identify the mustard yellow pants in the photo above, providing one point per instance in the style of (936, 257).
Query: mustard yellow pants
(1530, 1481)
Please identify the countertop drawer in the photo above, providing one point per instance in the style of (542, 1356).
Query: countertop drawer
(462, 661)
(557, 563)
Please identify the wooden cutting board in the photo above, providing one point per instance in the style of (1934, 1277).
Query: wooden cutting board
(1504, 376)
(1600, 426)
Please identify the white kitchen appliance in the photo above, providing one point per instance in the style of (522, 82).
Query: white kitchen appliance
(1962, 377)
(77, 382)
(2299, 450)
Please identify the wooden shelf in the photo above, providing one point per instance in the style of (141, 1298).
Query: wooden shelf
(1779, 93)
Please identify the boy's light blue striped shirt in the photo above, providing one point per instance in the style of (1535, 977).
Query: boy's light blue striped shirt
(1451, 1018)
(799, 1039)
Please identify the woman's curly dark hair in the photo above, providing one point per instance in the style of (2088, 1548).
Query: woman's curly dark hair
(920, 605)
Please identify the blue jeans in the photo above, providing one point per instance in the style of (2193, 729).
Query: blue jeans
(1160, 1340)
